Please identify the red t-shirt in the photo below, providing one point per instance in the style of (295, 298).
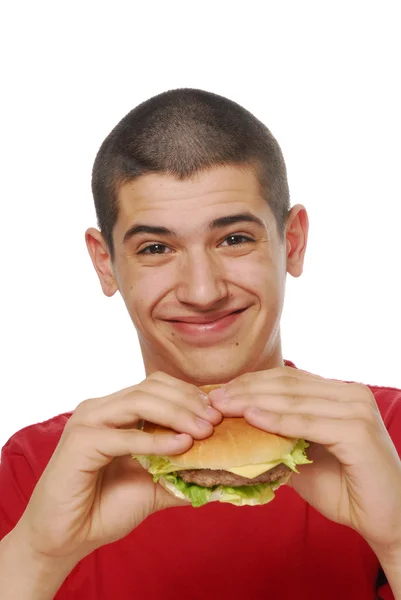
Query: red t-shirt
(284, 549)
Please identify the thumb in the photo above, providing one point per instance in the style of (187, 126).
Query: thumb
(165, 499)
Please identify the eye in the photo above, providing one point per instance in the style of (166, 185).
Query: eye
(155, 249)
(236, 240)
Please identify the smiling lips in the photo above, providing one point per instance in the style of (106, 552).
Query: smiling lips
(206, 324)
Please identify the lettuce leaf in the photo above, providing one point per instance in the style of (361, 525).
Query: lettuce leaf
(297, 456)
(247, 494)
(161, 465)
(261, 493)
(158, 465)
(197, 494)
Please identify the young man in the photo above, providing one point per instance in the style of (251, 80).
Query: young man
(197, 234)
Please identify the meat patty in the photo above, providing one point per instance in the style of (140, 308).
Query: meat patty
(211, 477)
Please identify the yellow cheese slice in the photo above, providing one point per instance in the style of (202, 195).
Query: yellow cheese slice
(251, 471)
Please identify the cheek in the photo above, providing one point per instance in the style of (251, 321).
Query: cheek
(144, 287)
(258, 275)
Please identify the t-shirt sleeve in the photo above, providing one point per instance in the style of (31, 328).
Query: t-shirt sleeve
(17, 482)
(23, 460)
(389, 402)
(384, 592)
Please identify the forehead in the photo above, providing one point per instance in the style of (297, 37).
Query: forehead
(162, 199)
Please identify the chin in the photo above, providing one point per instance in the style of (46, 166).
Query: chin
(211, 367)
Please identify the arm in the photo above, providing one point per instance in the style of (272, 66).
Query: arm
(355, 479)
(91, 492)
(25, 576)
(392, 568)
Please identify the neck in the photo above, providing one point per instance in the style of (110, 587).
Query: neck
(270, 358)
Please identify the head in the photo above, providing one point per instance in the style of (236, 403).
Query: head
(193, 208)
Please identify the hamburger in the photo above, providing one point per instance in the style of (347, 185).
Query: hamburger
(238, 463)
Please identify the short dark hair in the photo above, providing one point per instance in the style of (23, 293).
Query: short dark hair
(182, 132)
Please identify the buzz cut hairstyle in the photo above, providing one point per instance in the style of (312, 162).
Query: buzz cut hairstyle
(180, 133)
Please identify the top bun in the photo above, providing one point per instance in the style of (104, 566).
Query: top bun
(234, 443)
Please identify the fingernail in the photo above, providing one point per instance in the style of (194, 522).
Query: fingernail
(204, 397)
(211, 411)
(202, 423)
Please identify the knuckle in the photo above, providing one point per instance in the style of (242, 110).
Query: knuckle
(360, 389)
(240, 382)
(196, 390)
(155, 441)
(157, 376)
(128, 391)
(75, 435)
(151, 377)
(367, 412)
(239, 387)
(244, 377)
(135, 392)
(83, 406)
(139, 400)
(84, 411)
(290, 373)
(363, 393)
(294, 399)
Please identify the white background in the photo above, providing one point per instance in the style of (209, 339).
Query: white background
(323, 76)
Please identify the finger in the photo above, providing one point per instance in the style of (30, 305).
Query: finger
(314, 429)
(164, 499)
(188, 396)
(180, 391)
(352, 442)
(292, 387)
(188, 389)
(278, 372)
(317, 407)
(143, 406)
(91, 449)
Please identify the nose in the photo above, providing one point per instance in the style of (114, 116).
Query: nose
(201, 279)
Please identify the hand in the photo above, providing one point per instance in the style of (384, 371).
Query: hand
(92, 492)
(355, 478)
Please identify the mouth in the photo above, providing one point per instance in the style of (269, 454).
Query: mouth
(205, 320)
(207, 325)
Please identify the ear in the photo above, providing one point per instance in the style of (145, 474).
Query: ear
(296, 239)
(101, 260)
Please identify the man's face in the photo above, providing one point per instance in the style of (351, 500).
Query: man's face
(201, 269)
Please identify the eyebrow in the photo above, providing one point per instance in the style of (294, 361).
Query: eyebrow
(152, 229)
(220, 223)
(244, 217)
